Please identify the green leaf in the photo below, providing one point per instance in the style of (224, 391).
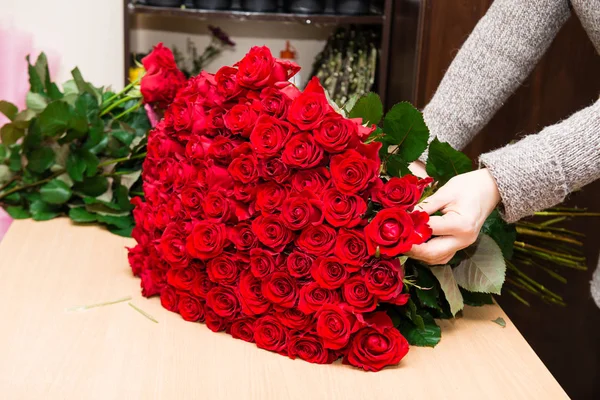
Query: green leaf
(414, 317)
(8, 109)
(503, 234)
(17, 212)
(80, 215)
(102, 207)
(80, 161)
(41, 211)
(119, 222)
(56, 118)
(41, 67)
(445, 163)
(34, 138)
(404, 126)
(4, 152)
(15, 158)
(123, 136)
(124, 232)
(428, 295)
(84, 86)
(500, 321)
(349, 105)
(23, 119)
(93, 186)
(429, 336)
(484, 269)
(55, 192)
(40, 159)
(476, 299)
(10, 133)
(5, 174)
(369, 108)
(35, 81)
(122, 198)
(449, 287)
(396, 166)
(36, 102)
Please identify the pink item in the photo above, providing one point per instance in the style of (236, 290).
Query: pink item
(15, 45)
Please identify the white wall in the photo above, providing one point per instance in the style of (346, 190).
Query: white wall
(83, 33)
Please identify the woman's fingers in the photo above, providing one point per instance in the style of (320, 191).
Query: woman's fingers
(433, 203)
(438, 250)
(446, 225)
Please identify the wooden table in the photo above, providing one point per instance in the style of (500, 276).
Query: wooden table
(113, 352)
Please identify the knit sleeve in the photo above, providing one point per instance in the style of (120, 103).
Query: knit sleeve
(498, 55)
(540, 170)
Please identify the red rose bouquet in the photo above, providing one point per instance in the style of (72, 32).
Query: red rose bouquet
(274, 215)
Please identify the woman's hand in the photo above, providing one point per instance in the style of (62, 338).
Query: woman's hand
(465, 202)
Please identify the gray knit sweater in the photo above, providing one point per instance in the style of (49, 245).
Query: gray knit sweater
(540, 170)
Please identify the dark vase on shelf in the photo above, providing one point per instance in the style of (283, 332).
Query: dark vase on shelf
(306, 6)
(213, 4)
(259, 5)
(352, 7)
(164, 3)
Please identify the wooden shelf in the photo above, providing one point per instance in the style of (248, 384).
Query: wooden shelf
(320, 19)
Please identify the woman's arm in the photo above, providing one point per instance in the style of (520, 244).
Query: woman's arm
(498, 55)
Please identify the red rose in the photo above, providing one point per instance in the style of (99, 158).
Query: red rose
(223, 301)
(274, 102)
(151, 285)
(269, 334)
(329, 272)
(280, 289)
(242, 237)
(172, 245)
(274, 169)
(353, 170)
(269, 136)
(169, 298)
(190, 308)
(270, 197)
(394, 231)
(182, 278)
(308, 348)
(377, 346)
(244, 192)
(343, 209)
(214, 321)
(218, 207)
(255, 68)
(160, 57)
(315, 180)
(384, 278)
(295, 319)
(317, 240)
(244, 167)
(136, 257)
(215, 122)
(312, 298)
(207, 240)
(223, 269)
(240, 120)
(191, 198)
(351, 248)
(299, 264)
(251, 296)
(336, 133)
(242, 329)
(262, 262)
(402, 192)
(220, 149)
(272, 232)
(212, 176)
(357, 294)
(335, 325)
(202, 285)
(226, 79)
(308, 109)
(196, 148)
(301, 210)
(302, 151)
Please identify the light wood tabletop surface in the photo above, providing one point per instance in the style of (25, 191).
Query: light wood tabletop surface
(114, 352)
